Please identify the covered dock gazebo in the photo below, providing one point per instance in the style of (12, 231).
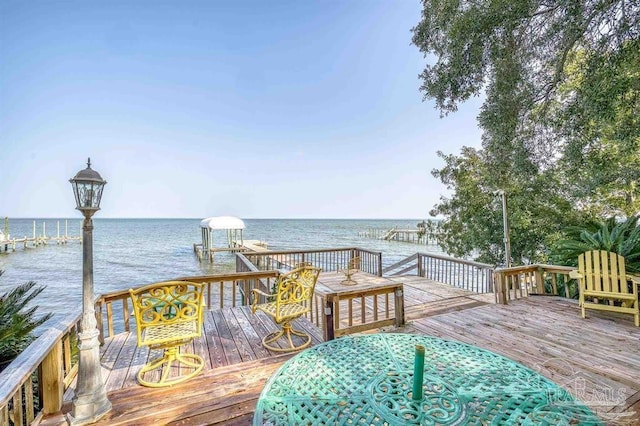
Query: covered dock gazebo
(232, 225)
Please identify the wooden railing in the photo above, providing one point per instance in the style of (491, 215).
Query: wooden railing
(521, 281)
(466, 274)
(355, 311)
(326, 259)
(244, 265)
(113, 310)
(358, 310)
(34, 383)
(403, 267)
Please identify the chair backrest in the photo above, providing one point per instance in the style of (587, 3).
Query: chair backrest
(296, 286)
(165, 303)
(603, 271)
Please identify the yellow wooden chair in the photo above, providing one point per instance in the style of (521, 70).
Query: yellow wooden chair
(168, 315)
(292, 299)
(602, 276)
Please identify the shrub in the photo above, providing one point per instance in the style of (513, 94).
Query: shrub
(17, 322)
(622, 238)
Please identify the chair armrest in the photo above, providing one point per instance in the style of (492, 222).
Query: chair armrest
(633, 278)
(261, 293)
(575, 275)
(256, 293)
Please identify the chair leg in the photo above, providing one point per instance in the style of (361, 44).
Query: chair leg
(286, 331)
(171, 358)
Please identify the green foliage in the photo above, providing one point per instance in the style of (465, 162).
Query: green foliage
(601, 126)
(473, 225)
(611, 235)
(561, 130)
(429, 229)
(17, 322)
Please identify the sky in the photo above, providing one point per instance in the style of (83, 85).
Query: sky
(265, 109)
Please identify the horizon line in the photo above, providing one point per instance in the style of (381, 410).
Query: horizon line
(199, 218)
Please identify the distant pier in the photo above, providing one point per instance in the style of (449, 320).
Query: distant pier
(9, 243)
(425, 234)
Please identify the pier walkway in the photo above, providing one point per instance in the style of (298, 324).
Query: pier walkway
(254, 246)
(597, 359)
(11, 243)
(407, 235)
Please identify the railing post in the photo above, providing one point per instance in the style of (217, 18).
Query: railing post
(52, 380)
(539, 281)
(399, 305)
(380, 264)
(328, 328)
(500, 288)
(420, 269)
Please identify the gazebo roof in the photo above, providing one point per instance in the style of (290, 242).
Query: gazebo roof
(222, 222)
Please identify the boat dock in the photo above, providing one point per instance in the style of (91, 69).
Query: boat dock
(9, 243)
(419, 235)
(233, 227)
(235, 247)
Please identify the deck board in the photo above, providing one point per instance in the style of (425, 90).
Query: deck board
(589, 357)
(217, 358)
(245, 349)
(596, 359)
(139, 359)
(251, 335)
(229, 347)
(122, 364)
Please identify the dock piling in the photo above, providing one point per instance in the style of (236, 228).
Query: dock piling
(35, 240)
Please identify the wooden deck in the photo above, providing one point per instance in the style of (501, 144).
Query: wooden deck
(230, 336)
(597, 359)
(236, 368)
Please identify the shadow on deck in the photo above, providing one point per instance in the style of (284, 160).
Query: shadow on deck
(597, 359)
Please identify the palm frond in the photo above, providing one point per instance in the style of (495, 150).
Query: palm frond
(18, 319)
(622, 237)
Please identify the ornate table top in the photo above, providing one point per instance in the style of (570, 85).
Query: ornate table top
(368, 380)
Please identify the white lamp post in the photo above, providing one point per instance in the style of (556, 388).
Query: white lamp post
(505, 230)
(90, 401)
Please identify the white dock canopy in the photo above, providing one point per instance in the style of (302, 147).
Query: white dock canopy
(229, 223)
(222, 222)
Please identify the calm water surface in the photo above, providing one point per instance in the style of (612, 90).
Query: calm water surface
(132, 252)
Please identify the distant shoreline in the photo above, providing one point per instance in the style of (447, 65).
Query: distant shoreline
(200, 218)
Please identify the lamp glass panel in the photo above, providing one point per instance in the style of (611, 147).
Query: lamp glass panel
(88, 194)
(76, 193)
(97, 194)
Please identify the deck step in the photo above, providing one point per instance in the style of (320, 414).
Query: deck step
(430, 309)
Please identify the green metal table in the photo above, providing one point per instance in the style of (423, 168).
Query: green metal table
(367, 380)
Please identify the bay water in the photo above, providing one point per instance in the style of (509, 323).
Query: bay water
(133, 252)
